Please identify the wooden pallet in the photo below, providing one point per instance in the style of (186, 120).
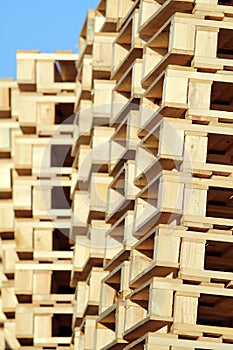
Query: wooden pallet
(117, 224)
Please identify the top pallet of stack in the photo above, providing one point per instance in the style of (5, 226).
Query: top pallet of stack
(46, 72)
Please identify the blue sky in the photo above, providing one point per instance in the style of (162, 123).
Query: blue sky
(46, 25)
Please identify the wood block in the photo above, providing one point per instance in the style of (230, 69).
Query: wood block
(134, 314)
(123, 8)
(42, 201)
(119, 102)
(182, 36)
(147, 8)
(42, 240)
(6, 216)
(82, 290)
(23, 153)
(42, 326)
(192, 254)
(87, 73)
(23, 282)
(171, 140)
(195, 201)
(166, 248)
(78, 340)
(89, 336)
(45, 72)
(41, 157)
(84, 119)
(4, 99)
(89, 26)
(96, 275)
(5, 140)
(45, 113)
(9, 257)
(107, 297)
(80, 209)
(120, 319)
(26, 71)
(42, 282)
(81, 253)
(83, 160)
(9, 300)
(24, 323)
(170, 195)
(27, 113)
(136, 89)
(98, 191)
(206, 42)
(161, 302)
(102, 51)
(185, 309)
(195, 148)
(139, 262)
(102, 100)
(111, 9)
(104, 336)
(101, 144)
(199, 94)
(24, 238)
(13, 136)
(177, 95)
(22, 194)
(144, 210)
(5, 175)
(15, 102)
(97, 234)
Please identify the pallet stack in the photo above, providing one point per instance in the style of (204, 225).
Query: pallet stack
(152, 177)
(36, 137)
(117, 222)
(90, 178)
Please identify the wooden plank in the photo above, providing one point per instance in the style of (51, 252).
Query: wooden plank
(138, 216)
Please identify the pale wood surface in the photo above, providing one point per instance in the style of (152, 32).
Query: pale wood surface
(116, 226)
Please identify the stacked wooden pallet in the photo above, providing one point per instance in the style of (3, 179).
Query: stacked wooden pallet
(36, 138)
(90, 178)
(152, 177)
(138, 182)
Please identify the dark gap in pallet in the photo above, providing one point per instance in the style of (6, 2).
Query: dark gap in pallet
(215, 310)
(61, 325)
